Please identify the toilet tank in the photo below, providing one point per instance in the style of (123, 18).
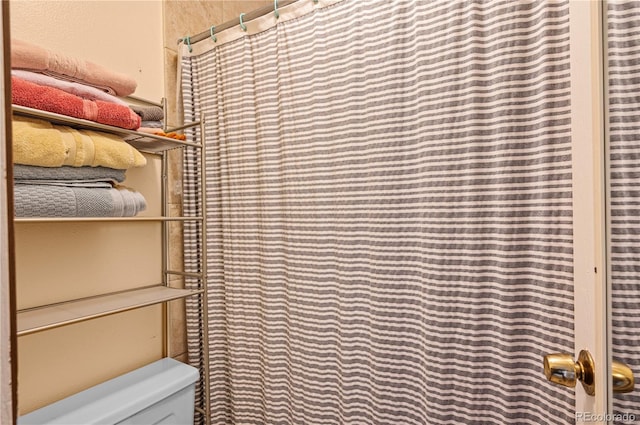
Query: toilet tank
(159, 393)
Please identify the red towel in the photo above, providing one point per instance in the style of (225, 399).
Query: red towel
(50, 99)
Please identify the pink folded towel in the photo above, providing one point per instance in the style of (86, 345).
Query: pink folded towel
(77, 89)
(29, 56)
(49, 99)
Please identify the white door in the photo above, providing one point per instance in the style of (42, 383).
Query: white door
(589, 207)
(590, 174)
(589, 214)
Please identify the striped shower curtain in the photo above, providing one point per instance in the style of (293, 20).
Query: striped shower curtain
(389, 212)
(623, 36)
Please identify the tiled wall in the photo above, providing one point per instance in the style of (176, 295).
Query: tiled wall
(183, 18)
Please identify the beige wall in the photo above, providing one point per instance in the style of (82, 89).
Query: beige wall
(124, 35)
(65, 261)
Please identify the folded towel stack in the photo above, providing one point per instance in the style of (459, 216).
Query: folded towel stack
(53, 82)
(73, 192)
(64, 172)
(153, 122)
(61, 171)
(50, 99)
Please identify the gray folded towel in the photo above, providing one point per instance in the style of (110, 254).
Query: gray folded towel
(149, 113)
(55, 201)
(152, 124)
(31, 173)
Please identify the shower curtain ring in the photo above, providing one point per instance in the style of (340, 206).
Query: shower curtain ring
(275, 8)
(212, 31)
(242, 25)
(187, 41)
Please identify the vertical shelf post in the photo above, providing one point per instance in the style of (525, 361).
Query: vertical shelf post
(205, 298)
(166, 337)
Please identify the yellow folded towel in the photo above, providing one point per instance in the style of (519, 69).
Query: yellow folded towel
(38, 142)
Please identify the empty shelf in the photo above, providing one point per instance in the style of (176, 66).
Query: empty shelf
(60, 314)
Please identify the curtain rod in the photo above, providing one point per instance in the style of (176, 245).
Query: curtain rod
(230, 24)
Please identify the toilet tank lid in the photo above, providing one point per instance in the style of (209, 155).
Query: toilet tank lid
(119, 398)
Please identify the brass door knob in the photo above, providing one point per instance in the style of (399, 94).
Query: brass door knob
(623, 380)
(561, 369)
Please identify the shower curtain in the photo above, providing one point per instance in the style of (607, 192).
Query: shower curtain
(623, 19)
(389, 212)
